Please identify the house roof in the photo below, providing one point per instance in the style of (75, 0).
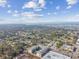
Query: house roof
(55, 55)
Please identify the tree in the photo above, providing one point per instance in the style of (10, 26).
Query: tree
(59, 43)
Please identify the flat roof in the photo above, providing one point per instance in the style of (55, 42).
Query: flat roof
(77, 39)
(55, 55)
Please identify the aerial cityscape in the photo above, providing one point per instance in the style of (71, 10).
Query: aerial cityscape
(39, 29)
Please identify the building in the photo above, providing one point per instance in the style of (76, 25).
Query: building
(67, 47)
(77, 42)
(34, 49)
(43, 51)
(55, 55)
(39, 50)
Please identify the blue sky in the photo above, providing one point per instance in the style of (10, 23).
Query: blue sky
(37, 11)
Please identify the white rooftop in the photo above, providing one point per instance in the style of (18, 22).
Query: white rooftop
(77, 41)
(54, 55)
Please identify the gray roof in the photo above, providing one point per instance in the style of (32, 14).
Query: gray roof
(55, 55)
(43, 51)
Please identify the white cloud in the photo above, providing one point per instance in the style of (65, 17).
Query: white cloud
(15, 15)
(9, 11)
(73, 18)
(3, 3)
(30, 4)
(30, 14)
(37, 9)
(41, 3)
(57, 7)
(48, 13)
(77, 15)
(8, 6)
(68, 7)
(71, 2)
(36, 5)
(55, 13)
(15, 11)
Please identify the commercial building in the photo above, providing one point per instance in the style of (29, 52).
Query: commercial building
(55, 55)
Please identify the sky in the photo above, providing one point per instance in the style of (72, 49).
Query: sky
(38, 11)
